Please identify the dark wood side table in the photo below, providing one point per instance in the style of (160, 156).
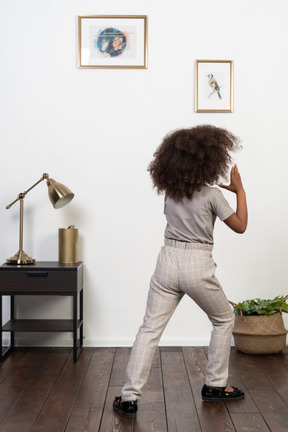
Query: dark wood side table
(43, 278)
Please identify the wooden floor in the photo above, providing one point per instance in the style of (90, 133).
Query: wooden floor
(43, 390)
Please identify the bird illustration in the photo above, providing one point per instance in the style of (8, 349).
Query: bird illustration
(214, 85)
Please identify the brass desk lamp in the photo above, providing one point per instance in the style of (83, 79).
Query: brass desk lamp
(59, 196)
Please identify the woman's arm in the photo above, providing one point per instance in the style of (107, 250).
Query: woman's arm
(238, 220)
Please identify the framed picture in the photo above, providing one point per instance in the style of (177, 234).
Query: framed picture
(214, 86)
(112, 41)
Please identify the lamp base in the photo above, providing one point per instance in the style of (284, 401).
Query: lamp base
(20, 258)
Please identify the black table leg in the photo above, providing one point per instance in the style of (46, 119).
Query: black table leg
(12, 315)
(1, 333)
(81, 319)
(75, 313)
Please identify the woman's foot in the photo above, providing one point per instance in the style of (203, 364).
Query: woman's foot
(215, 394)
(125, 408)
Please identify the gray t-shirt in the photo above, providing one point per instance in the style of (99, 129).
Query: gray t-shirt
(192, 220)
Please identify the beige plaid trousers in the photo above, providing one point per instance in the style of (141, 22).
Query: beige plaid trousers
(182, 268)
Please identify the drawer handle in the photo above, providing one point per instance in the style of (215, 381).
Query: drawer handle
(37, 274)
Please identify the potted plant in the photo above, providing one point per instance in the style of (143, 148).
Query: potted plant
(259, 326)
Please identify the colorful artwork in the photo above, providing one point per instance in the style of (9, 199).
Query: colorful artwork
(111, 42)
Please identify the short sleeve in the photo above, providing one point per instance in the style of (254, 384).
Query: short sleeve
(220, 205)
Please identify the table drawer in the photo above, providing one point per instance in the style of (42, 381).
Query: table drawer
(38, 281)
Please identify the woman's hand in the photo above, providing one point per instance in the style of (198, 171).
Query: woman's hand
(235, 181)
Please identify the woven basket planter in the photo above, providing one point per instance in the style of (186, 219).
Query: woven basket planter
(259, 334)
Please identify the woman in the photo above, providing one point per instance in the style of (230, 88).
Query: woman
(185, 167)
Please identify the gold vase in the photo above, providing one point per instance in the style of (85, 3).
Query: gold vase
(68, 245)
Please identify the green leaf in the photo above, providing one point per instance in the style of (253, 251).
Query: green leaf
(261, 306)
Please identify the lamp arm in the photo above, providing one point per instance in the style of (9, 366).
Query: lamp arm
(22, 195)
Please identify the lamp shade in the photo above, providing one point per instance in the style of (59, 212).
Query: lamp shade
(59, 194)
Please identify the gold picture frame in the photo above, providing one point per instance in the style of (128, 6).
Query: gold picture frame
(112, 41)
(214, 86)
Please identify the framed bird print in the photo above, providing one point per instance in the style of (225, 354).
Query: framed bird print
(214, 86)
(112, 41)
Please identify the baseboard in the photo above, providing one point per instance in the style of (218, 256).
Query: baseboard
(45, 341)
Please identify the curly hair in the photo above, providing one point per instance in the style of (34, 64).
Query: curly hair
(188, 159)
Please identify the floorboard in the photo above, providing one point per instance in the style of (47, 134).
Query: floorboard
(26, 408)
(43, 390)
(180, 407)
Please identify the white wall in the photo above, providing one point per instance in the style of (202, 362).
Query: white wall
(96, 131)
